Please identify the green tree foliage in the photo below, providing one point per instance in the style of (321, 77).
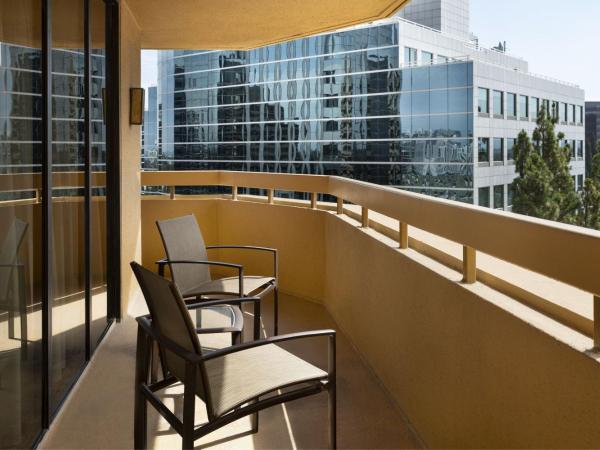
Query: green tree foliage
(545, 187)
(590, 215)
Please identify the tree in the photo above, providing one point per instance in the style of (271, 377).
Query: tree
(545, 187)
(590, 215)
(532, 190)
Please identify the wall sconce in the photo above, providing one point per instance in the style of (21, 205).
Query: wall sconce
(136, 106)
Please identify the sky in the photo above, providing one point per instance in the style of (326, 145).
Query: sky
(558, 38)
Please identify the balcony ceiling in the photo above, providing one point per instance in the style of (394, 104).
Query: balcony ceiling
(244, 24)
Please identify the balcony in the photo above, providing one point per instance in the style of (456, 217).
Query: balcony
(461, 326)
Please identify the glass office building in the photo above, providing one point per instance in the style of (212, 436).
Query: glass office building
(393, 102)
(336, 104)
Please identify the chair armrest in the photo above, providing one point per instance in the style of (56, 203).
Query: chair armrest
(165, 342)
(223, 301)
(161, 263)
(277, 339)
(252, 247)
(233, 301)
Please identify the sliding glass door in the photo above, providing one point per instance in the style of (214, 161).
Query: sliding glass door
(57, 294)
(20, 225)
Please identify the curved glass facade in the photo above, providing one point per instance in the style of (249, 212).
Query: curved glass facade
(337, 104)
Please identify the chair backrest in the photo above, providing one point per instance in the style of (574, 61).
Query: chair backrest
(183, 241)
(9, 254)
(169, 315)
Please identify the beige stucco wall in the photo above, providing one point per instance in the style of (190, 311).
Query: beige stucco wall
(468, 368)
(131, 244)
(297, 233)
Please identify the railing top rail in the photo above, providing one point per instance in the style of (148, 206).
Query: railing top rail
(566, 253)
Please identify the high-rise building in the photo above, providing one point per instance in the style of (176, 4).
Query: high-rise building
(392, 102)
(448, 16)
(150, 130)
(592, 131)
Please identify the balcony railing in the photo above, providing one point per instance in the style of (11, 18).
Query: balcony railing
(561, 252)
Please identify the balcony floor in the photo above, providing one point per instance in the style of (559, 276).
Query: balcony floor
(99, 413)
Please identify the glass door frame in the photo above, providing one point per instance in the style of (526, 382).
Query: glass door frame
(111, 109)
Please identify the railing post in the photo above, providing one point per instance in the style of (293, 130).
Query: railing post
(313, 200)
(270, 194)
(340, 205)
(403, 235)
(365, 217)
(172, 192)
(596, 322)
(469, 265)
(234, 192)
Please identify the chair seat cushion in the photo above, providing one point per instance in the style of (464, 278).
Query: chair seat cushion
(230, 286)
(240, 377)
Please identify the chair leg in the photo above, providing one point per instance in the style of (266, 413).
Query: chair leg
(256, 320)
(332, 416)
(276, 310)
(189, 406)
(236, 338)
(11, 323)
(154, 363)
(254, 422)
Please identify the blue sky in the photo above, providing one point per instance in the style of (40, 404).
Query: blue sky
(559, 38)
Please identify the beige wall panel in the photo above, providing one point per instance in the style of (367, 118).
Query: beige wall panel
(467, 373)
(131, 239)
(297, 233)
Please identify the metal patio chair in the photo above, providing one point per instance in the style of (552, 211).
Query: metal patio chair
(233, 382)
(188, 261)
(12, 281)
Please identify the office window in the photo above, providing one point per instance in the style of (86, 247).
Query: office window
(426, 58)
(410, 55)
(580, 149)
(499, 197)
(509, 195)
(498, 150)
(546, 106)
(484, 196)
(554, 110)
(484, 150)
(523, 107)
(483, 101)
(498, 103)
(579, 115)
(579, 182)
(510, 149)
(511, 105)
(572, 115)
(442, 59)
(534, 107)
(562, 116)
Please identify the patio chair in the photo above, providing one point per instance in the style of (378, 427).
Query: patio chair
(12, 281)
(233, 382)
(188, 261)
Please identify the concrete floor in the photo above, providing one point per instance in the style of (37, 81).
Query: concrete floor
(99, 412)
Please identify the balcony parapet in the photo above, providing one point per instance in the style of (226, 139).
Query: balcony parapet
(564, 253)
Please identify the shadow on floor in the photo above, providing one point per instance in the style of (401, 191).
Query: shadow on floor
(99, 413)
